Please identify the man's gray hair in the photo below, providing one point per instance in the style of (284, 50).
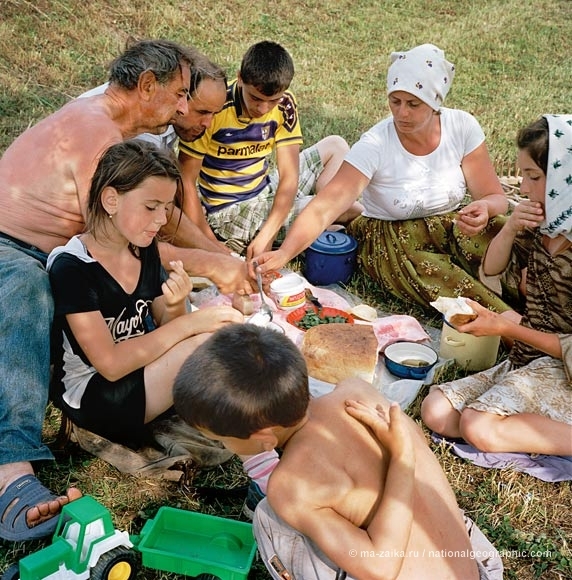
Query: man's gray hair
(164, 58)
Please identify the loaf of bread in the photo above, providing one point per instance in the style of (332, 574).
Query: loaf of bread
(339, 351)
(455, 310)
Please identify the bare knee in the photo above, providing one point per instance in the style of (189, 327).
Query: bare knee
(437, 412)
(332, 146)
(480, 429)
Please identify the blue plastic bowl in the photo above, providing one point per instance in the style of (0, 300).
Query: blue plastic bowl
(409, 360)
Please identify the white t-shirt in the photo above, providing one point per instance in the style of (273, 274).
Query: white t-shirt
(405, 186)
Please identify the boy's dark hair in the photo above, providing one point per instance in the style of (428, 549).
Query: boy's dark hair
(244, 378)
(534, 140)
(268, 67)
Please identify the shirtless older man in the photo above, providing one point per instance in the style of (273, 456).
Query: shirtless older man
(207, 95)
(44, 183)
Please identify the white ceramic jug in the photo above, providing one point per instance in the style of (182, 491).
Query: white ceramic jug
(473, 353)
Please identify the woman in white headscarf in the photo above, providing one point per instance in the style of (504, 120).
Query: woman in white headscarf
(525, 403)
(414, 169)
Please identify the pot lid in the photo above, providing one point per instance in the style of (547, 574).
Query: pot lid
(334, 243)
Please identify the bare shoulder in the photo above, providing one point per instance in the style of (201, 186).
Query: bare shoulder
(357, 389)
(332, 405)
(87, 122)
(91, 112)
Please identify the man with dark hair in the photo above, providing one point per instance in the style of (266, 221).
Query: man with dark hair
(207, 94)
(247, 205)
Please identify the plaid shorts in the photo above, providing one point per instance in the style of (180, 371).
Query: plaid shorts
(240, 222)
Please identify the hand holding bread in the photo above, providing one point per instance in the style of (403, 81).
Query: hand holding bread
(456, 311)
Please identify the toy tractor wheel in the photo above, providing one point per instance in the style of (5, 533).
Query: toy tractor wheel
(118, 564)
(206, 577)
(12, 572)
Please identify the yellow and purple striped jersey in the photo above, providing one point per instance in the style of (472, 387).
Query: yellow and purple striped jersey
(236, 149)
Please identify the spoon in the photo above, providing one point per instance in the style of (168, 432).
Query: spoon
(264, 308)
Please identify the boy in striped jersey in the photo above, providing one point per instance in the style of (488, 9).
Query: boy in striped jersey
(231, 192)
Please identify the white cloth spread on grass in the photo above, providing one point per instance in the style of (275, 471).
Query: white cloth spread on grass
(387, 329)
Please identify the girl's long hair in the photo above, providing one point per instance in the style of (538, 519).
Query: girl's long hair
(124, 166)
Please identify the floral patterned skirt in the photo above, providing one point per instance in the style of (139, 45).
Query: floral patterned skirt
(422, 259)
(540, 387)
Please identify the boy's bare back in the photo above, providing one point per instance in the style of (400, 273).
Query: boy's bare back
(339, 466)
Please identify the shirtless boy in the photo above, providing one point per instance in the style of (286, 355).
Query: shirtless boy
(42, 205)
(356, 489)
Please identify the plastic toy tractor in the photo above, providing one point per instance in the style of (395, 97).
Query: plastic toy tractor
(86, 545)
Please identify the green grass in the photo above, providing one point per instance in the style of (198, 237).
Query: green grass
(513, 64)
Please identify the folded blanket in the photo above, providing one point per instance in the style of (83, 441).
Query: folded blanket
(545, 467)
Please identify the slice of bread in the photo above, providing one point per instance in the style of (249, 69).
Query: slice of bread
(456, 311)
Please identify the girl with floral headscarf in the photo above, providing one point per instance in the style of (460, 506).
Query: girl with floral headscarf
(525, 403)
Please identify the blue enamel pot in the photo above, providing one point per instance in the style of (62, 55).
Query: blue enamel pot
(331, 259)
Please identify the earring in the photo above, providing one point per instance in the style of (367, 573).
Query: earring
(110, 216)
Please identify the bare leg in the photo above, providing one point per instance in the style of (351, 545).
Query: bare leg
(525, 432)
(43, 511)
(332, 150)
(439, 415)
(160, 376)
